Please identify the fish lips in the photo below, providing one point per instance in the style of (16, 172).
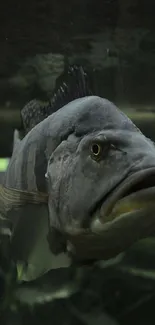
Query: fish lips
(126, 216)
(134, 193)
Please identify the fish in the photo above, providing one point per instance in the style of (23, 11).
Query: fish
(29, 245)
(80, 185)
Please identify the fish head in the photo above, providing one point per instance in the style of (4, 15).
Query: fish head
(101, 182)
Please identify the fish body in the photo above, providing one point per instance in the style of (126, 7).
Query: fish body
(77, 164)
(24, 192)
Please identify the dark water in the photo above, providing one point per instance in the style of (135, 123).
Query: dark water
(113, 39)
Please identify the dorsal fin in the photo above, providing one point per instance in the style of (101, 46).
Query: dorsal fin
(73, 85)
(33, 113)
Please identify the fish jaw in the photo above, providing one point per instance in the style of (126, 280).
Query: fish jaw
(133, 193)
(126, 216)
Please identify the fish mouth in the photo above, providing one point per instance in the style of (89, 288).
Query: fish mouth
(135, 192)
(125, 216)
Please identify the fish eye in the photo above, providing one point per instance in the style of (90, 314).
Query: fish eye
(96, 149)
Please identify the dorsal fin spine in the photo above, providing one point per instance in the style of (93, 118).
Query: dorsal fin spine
(74, 85)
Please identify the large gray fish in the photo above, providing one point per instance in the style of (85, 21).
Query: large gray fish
(81, 181)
